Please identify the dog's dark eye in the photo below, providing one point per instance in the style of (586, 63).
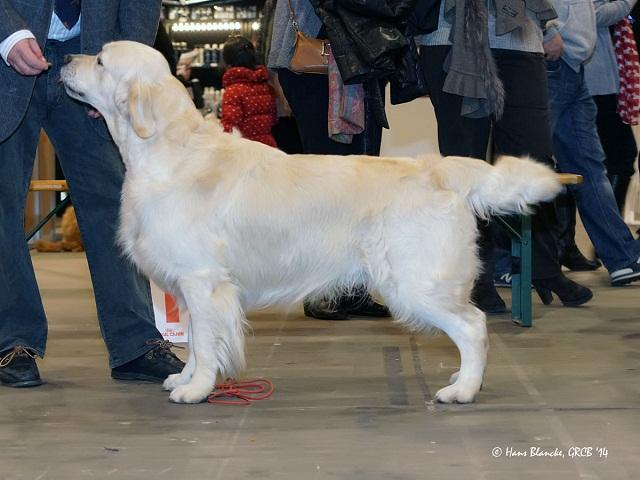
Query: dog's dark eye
(99, 60)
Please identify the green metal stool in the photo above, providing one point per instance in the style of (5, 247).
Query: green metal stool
(520, 233)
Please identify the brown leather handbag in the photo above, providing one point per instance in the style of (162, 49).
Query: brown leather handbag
(311, 55)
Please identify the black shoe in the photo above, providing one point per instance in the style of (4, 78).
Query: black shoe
(486, 298)
(324, 311)
(628, 274)
(154, 366)
(574, 260)
(364, 305)
(18, 368)
(571, 294)
(359, 304)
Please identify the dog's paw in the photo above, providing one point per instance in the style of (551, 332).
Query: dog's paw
(455, 394)
(175, 380)
(454, 377)
(189, 394)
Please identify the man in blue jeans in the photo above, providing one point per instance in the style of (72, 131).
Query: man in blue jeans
(569, 44)
(35, 37)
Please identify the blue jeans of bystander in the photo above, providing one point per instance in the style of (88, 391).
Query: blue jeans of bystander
(577, 149)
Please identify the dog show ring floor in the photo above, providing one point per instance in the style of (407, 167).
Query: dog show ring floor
(353, 400)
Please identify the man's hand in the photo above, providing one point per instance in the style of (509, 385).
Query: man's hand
(26, 57)
(553, 48)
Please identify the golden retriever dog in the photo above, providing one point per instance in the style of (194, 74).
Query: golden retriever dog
(228, 225)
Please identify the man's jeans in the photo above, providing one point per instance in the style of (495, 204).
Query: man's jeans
(94, 172)
(577, 149)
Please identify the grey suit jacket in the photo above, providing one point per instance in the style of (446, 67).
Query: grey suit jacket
(102, 21)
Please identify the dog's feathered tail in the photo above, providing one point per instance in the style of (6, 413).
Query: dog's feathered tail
(511, 185)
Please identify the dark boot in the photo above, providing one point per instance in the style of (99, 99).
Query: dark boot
(484, 294)
(485, 297)
(568, 253)
(572, 258)
(361, 304)
(358, 303)
(571, 294)
(324, 310)
(620, 185)
(566, 212)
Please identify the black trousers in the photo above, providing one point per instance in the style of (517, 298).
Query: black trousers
(616, 137)
(308, 97)
(286, 135)
(523, 129)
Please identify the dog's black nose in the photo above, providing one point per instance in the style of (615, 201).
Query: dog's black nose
(68, 58)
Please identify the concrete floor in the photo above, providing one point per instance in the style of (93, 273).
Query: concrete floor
(353, 400)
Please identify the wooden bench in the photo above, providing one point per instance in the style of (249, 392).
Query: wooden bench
(520, 233)
(48, 186)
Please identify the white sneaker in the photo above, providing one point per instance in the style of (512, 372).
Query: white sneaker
(503, 280)
(628, 274)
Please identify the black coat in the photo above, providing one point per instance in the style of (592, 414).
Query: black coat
(367, 36)
(370, 46)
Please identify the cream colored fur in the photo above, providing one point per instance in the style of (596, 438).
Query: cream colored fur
(228, 225)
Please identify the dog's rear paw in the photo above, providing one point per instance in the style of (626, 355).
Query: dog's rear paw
(455, 394)
(189, 394)
(175, 380)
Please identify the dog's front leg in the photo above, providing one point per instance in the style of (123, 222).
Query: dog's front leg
(217, 335)
(185, 375)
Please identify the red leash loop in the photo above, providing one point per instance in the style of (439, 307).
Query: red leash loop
(241, 392)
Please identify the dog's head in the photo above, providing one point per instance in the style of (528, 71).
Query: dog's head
(128, 82)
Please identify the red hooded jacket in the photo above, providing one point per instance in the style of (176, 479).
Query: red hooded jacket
(249, 103)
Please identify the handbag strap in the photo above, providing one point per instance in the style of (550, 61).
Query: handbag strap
(292, 15)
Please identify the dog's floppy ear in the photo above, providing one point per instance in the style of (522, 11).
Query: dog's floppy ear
(141, 109)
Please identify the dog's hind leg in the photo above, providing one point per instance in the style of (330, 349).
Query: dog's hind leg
(217, 336)
(185, 375)
(469, 334)
(464, 324)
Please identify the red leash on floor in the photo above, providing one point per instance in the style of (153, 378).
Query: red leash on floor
(241, 392)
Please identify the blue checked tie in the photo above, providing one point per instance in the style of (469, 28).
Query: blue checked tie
(68, 11)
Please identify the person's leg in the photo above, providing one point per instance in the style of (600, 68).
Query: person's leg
(22, 316)
(569, 254)
(457, 135)
(308, 97)
(467, 137)
(566, 208)
(577, 149)
(559, 100)
(620, 149)
(619, 145)
(286, 135)
(522, 130)
(94, 172)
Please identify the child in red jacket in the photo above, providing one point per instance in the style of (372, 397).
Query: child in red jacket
(249, 102)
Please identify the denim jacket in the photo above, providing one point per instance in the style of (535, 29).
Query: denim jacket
(576, 24)
(284, 33)
(601, 72)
